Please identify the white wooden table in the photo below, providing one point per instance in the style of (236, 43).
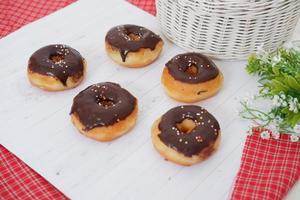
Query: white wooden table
(36, 126)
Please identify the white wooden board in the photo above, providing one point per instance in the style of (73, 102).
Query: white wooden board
(36, 126)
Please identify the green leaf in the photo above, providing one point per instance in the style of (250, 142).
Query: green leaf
(278, 86)
(276, 71)
(295, 119)
(285, 110)
(291, 81)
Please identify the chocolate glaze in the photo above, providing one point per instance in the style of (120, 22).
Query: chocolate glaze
(118, 37)
(117, 104)
(206, 68)
(72, 63)
(206, 130)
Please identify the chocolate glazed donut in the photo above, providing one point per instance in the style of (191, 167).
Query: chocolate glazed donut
(186, 134)
(104, 111)
(206, 130)
(205, 69)
(58, 61)
(191, 77)
(126, 39)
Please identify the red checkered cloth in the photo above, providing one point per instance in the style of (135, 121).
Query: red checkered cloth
(269, 168)
(148, 6)
(18, 181)
(16, 13)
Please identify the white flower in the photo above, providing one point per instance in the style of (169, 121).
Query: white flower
(250, 132)
(282, 96)
(265, 91)
(275, 135)
(284, 104)
(295, 101)
(294, 138)
(297, 128)
(278, 120)
(280, 100)
(276, 59)
(265, 135)
(276, 101)
(296, 110)
(293, 104)
(251, 128)
(274, 131)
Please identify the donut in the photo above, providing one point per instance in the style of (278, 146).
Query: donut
(56, 67)
(104, 111)
(186, 135)
(132, 46)
(191, 77)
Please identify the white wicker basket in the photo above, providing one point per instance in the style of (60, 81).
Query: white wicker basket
(228, 29)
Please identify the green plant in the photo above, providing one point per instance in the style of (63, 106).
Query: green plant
(279, 82)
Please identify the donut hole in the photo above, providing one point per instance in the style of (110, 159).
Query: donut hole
(186, 126)
(105, 103)
(192, 70)
(56, 58)
(134, 37)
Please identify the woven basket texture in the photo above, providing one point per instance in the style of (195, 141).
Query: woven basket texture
(228, 29)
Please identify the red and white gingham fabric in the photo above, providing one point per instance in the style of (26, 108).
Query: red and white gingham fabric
(148, 6)
(18, 181)
(269, 168)
(16, 13)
